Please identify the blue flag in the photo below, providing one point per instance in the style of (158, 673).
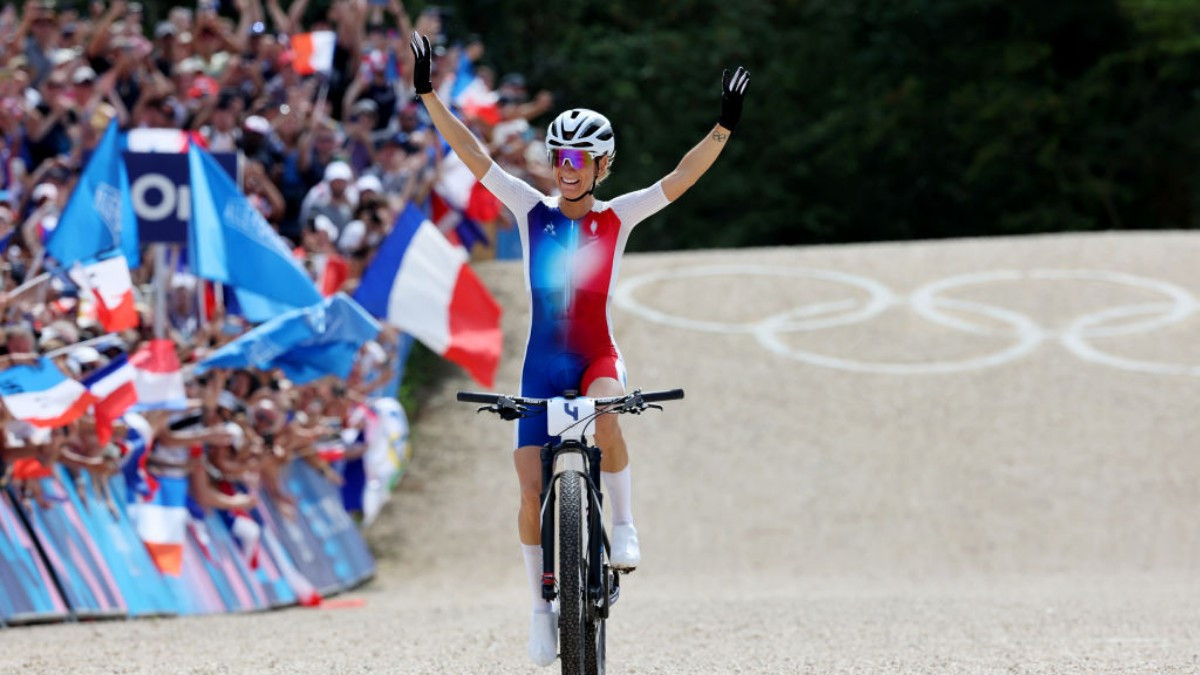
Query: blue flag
(99, 215)
(307, 343)
(230, 242)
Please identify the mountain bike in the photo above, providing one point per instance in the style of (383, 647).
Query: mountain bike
(584, 583)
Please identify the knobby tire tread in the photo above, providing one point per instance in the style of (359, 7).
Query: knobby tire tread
(570, 577)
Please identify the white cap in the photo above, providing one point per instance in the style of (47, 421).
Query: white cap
(258, 124)
(338, 171)
(85, 355)
(369, 182)
(190, 66)
(45, 190)
(236, 435)
(322, 223)
(352, 236)
(81, 356)
(374, 355)
(62, 55)
(83, 74)
(183, 280)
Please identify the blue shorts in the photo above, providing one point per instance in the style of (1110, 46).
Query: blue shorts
(549, 376)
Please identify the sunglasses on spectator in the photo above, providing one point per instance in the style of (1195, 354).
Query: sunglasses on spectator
(576, 159)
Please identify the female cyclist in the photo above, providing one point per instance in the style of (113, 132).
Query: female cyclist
(572, 246)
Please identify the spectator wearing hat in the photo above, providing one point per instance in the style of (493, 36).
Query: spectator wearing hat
(43, 217)
(167, 50)
(404, 169)
(360, 135)
(258, 142)
(325, 264)
(335, 197)
(83, 360)
(371, 84)
(49, 124)
(222, 131)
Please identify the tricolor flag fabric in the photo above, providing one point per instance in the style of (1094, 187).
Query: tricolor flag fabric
(108, 280)
(420, 282)
(463, 192)
(161, 522)
(135, 454)
(115, 392)
(157, 376)
(99, 215)
(42, 395)
(313, 52)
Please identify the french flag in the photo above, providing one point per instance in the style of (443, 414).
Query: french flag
(115, 392)
(161, 522)
(42, 395)
(420, 282)
(157, 376)
(460, 202)
(461, 191)
(313, 52)
(109, 281)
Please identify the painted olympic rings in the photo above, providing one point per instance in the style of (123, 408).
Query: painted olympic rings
(931, 303)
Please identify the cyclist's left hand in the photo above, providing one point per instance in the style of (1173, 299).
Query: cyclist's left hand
(733, 90)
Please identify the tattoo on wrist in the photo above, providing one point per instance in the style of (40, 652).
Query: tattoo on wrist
(719, 137)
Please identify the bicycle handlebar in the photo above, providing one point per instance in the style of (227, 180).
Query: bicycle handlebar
(493, 399)
(667, 395)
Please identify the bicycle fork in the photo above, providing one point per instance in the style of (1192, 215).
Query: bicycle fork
(597, 539)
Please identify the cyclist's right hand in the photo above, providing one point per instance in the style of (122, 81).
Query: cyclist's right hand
(421, 77)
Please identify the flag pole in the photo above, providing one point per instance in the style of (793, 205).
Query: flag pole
(76, 345)
(161, 280)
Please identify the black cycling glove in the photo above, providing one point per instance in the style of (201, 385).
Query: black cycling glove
(733, 90)
(421, 79)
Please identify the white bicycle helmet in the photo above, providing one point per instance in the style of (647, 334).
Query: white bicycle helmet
(582, 129)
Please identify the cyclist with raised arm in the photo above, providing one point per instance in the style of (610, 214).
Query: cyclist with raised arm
(572, 245)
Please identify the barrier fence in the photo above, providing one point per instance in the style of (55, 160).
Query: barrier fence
(80, 557)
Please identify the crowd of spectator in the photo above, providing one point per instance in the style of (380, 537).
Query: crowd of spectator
(330, 160)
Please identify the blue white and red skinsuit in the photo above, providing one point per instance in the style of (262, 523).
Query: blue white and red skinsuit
(570, 271)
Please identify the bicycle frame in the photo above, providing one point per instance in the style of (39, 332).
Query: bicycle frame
(569, 418)
(589, 469)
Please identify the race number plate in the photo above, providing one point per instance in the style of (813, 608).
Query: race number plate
(563, 417)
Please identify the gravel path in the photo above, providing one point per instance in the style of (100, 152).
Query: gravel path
(996, 472)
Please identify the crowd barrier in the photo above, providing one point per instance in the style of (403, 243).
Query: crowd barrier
(80, 556)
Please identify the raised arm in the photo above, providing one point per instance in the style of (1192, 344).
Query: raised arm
(465, 145)
(701, 157)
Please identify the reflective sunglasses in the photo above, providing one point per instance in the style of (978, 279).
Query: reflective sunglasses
(576, 159)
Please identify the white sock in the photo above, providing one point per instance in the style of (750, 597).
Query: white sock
(619, 497)
(533, 568)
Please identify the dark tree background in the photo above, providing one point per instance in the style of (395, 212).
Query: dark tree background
(879, 119)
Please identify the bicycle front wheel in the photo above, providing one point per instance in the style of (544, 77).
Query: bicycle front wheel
(571, 576)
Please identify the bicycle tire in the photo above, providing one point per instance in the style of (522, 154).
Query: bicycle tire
(572, 588)
(594, 650)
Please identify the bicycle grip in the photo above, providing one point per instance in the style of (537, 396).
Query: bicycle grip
(477, 397)
(669, 395)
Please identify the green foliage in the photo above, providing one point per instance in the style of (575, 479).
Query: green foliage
(423, 371)
(880, 119)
